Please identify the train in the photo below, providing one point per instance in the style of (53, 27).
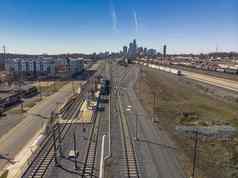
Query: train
(29, 92)
(105, 87)
(228, 70)
(9, 101)
(166, 69)
(16, 97)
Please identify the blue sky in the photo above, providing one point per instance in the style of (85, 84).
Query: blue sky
(61, 26)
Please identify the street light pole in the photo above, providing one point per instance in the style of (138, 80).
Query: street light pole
(195, 153)
(75, 153)
(73, 86)
(55, 148)
(136, 136)
(153, 114)
(60, 141)
(40, 89)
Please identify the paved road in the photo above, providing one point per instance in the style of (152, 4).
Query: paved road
(155, 151)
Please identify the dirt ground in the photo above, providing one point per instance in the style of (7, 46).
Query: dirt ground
(179, 101)
(50, 87)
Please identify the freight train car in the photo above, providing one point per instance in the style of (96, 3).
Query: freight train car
(105, 87)
(29, 92)
(10, 100)
(230, 71)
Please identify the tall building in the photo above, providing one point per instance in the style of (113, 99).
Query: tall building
(145, 51)
(140, 51)
(134, 44)
(164, 51)
(124, 51)
(3, 60)
(132, 51)
(151, 52)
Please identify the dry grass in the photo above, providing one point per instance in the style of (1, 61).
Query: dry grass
(52, 87)
(181, 102)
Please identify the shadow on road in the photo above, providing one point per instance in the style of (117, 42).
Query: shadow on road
(3, 157)
(158, 144)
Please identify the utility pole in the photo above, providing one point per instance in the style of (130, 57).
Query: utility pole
(52, 125)
(136, 134)
(20, 87)
(55, 147)
(4, 55)
(153, 114)
(54, 85)
(75, 153)
(40, 89)
(73, 89)
(140, 78)
(195, 153)
(60, 140)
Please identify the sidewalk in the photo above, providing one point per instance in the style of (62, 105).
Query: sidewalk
(21, 160)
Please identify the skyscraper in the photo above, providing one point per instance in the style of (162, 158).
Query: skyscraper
(132, 50)
(124, 51)
(164, 51)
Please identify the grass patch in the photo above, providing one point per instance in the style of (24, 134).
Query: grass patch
(5, 174)
(30, 104)
(52, 87)
(183, 102)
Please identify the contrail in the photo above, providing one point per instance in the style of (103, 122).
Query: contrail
(114, 20)
(136, 20)
(114, 17)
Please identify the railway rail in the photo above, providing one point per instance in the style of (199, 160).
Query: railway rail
(90, 158)
(130, 164)
(43, 158)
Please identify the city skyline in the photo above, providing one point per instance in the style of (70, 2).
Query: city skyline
(95, 26)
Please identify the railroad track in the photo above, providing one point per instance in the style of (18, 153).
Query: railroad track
(130, 162)
(46, 154)
(90, 158)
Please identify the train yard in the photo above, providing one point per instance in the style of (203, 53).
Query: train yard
(122, 138)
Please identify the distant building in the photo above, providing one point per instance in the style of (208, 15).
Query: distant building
(46, 67)
(151, 53)
(140, 51)
(145, 51)
(125, 51)
(132, 50)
